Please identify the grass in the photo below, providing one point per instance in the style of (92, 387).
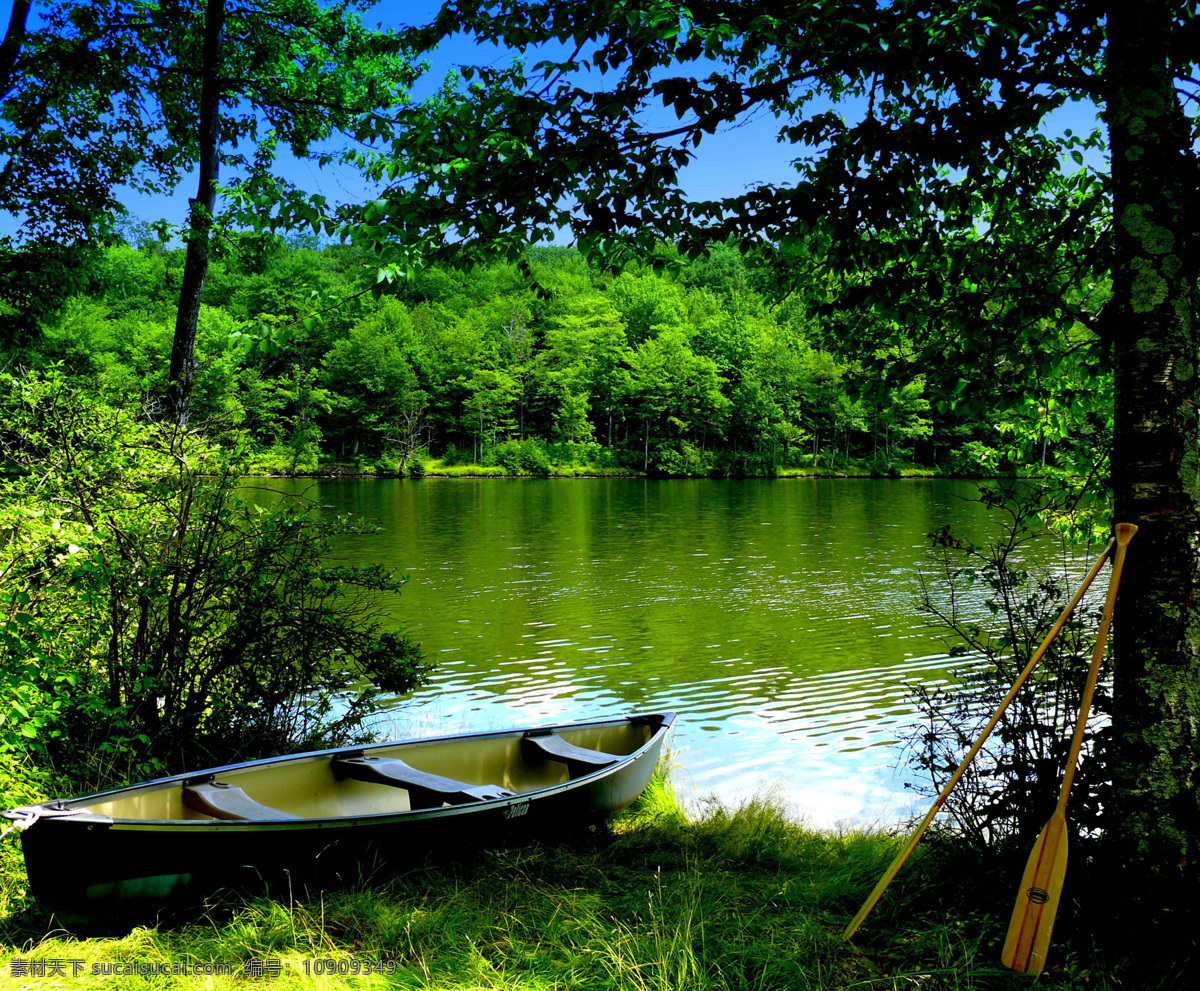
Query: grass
(731, 900)
(439, 469)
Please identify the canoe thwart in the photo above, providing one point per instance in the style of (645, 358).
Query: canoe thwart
(225, 801)
(551, 746)
(425, 790)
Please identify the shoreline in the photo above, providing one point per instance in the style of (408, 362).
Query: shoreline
(494, 471)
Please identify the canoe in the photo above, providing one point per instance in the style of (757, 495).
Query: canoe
(129, 853)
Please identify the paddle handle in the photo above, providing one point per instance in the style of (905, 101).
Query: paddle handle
(915, 838)
(1125, 532)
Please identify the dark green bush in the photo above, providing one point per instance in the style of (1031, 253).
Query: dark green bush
(1013, 783)
(156, 619)
(519, 457)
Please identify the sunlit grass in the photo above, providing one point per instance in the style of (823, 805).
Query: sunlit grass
(730, 899)
(437, 467)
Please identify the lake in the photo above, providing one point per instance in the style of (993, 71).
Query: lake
(777, 617)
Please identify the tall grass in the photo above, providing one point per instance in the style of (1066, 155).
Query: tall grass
(735, 899)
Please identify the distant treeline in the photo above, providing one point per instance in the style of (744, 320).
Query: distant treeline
(686, 368)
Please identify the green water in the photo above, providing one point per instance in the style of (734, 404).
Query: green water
(777, 617)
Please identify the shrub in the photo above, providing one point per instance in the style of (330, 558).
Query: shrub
(974, 459)
(746, 464)
(457, 456)
(155, 619)
(279, 459)
(519, 457)
(1013, 782)
(394, 461)
(682, 458)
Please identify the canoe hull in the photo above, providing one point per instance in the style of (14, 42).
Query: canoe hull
(96, 870)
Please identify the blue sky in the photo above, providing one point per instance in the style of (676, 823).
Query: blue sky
(725, 164)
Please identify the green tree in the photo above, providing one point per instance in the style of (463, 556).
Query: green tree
(138, 92)
(645, 301)
(307, 402)
(673, 390)
(579, 367)
(137, 280)
(491, 396)
(371, 374)
(929, 184)
(902, 414)
(819, 397)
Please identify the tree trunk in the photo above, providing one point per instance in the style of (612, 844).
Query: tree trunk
(1155, 818)
(195, 266)
(10, 47)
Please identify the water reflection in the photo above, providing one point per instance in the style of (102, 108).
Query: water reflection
(777, 617)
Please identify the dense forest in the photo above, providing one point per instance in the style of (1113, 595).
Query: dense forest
(548, 365)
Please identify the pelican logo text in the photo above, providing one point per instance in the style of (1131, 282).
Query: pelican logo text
(1039, 896)
(516, 810)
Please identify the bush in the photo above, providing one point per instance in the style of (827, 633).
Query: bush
(457, 456)
(885, 468)
(518, 457)
(521, 457)
(1013, 782)
(388, 463)
(974, 459)
(681, 459)
(399, 463)
(158, 621)
(283, 459)
(747, 464)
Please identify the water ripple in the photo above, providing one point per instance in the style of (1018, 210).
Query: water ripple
(779, 618)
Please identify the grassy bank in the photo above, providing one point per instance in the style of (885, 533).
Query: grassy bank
(732, 900)
(437, 468)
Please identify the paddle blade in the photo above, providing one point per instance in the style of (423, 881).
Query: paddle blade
(1037, 901)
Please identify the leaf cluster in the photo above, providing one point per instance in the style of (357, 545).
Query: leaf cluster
(98, 95)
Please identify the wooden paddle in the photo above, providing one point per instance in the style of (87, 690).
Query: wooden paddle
(1041, 884)
(913, 840)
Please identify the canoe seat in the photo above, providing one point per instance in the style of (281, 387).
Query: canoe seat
(425, 790)
(579, 760)
(226, 801)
